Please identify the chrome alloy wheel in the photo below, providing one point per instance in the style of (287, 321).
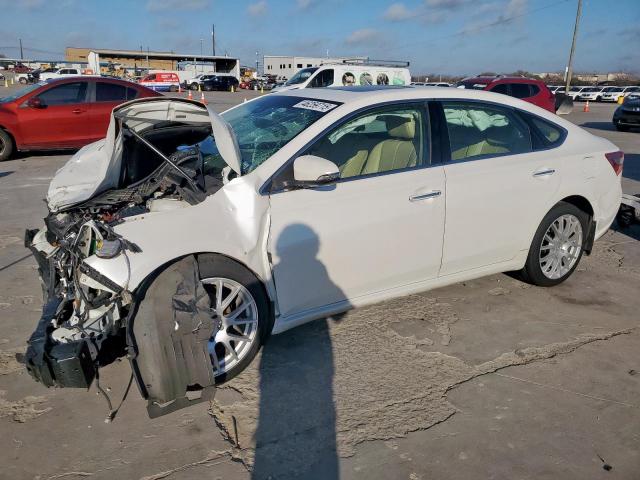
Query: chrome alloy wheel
(561, 246)
(236, 312)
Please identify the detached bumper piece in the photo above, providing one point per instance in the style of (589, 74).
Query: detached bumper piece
(57, 364)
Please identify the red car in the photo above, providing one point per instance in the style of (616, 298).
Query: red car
(527, 89)
(61, 114)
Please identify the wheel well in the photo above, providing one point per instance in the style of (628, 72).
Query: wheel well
(584, 205)
(6, 130)
(580, 202)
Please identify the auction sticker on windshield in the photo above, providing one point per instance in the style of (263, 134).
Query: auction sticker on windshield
(315, 105)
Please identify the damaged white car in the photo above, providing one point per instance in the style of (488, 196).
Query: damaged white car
(184, 238)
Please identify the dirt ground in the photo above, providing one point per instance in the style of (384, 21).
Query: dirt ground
(485, 379)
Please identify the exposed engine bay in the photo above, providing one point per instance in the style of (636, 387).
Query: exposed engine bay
(159, 165)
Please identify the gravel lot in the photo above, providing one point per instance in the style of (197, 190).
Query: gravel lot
(484, 379)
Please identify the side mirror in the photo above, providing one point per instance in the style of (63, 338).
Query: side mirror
(35, 102)
(313, 171)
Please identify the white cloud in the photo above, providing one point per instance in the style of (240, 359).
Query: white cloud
(26, 4)
(160, 5)
(306, 4)
(398, 12)
(257, 9)
(447, 4)
(364, 35)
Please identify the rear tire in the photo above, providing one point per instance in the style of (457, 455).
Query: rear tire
(23, 80)
(6, 146)
(557, 246)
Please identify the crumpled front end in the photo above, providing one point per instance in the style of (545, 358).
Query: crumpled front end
(160, 157)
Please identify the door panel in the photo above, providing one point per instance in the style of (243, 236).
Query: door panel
(498, 189)
(335, 243)
(379, 227)
(63, 122)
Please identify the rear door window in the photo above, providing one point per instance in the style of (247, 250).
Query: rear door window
(480, 130)
(534, 90)
(65, 94)
(132, 93)
(110, 92)
(520, 90)
(501, 88)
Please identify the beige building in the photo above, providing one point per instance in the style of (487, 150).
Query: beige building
(153, 60)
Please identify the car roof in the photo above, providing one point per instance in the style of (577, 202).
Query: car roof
(379, 94)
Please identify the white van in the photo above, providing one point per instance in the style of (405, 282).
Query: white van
(348, 74)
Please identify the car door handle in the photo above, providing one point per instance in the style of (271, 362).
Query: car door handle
(425, 196)
(77, 111)
(544, 173)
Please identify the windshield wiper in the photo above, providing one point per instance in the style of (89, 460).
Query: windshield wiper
(184, 174)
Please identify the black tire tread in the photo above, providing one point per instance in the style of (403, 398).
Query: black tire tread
(531, 273)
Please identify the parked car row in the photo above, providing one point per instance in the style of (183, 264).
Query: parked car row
(596, 94)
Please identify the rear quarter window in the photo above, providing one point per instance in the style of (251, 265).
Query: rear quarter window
(546, 134)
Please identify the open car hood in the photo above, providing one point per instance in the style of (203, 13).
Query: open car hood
(96, 167)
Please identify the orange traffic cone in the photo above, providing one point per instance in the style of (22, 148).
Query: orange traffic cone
(202, 99)
(586, 107)
(190, 96)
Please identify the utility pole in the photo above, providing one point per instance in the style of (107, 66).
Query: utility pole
(257, 64)
(573, 48)
(213, 39)
(21, 53)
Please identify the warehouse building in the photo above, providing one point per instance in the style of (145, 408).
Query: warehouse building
(287, 65)
(154, 60)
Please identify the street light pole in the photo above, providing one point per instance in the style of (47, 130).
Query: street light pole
(21, 54)
(573, 48)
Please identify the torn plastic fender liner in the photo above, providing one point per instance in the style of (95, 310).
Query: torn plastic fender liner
(169, 340)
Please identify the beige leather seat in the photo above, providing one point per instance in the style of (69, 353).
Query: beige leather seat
(397, 152)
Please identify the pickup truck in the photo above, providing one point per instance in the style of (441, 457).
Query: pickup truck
(60, 73)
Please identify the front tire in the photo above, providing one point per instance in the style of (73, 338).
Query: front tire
(242, 308)
(621, 128)
(6, 145)
(557, 246)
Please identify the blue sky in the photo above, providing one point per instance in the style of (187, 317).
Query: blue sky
(444, 36)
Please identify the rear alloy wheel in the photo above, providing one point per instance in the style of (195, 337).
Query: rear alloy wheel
(557, 246)
(6, 145)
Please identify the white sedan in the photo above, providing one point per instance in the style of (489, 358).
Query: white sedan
(186, 238)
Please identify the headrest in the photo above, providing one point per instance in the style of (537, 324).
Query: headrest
(400, 127)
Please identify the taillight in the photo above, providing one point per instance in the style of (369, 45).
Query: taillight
(616, 159)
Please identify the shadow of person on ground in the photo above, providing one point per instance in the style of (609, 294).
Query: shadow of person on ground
(296, 431)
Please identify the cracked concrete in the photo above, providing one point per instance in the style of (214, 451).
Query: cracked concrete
(365, 349)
